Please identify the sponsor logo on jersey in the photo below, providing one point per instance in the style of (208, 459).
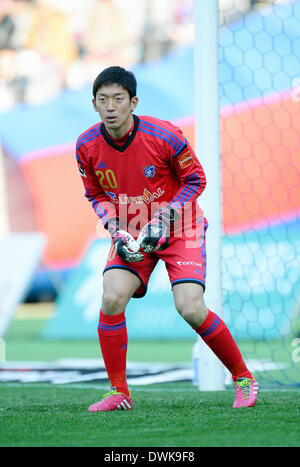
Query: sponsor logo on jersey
(81, 170)
(189, 263)
(147, 197)
(149, 171)
(185, 160)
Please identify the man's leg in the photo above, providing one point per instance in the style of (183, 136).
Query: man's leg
(118, 287)
(210, 327)
(186, 265)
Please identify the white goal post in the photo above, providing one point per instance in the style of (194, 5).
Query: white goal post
(4, 223)
(206, 78)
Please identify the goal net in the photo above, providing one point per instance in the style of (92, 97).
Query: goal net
(259, 66)
(259, 79)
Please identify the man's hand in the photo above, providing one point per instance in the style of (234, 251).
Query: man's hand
(154, 236)
(126, 246)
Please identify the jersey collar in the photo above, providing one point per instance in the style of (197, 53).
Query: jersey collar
(127, 142)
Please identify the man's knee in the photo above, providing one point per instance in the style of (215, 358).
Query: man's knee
(193, 313)
(118, 288)
(190, 304)
(114, 301)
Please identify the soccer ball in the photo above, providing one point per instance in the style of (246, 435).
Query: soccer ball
(133, 245)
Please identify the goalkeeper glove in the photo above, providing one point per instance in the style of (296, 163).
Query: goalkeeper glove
(126, 246)
(154, 236)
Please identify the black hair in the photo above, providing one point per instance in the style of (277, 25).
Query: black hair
(116, 75)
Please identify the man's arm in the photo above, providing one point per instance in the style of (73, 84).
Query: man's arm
(154, 235)
(101, 203)
(191, 175)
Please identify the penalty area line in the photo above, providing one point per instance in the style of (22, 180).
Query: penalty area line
(136, 388)
(93, 386)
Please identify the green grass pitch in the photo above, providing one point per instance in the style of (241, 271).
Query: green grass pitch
(164, 415)
(169, 415)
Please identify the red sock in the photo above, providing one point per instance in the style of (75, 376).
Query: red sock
(217, 336)
(113, 341)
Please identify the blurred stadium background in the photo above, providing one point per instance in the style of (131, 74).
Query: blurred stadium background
(53, 249)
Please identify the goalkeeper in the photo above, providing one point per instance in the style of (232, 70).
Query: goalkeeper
(143, 180)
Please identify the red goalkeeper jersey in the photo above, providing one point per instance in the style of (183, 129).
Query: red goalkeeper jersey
(154, 167)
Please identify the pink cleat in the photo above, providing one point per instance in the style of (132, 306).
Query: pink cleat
(113, 400)
(246, 391)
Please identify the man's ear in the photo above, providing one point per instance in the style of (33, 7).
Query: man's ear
(94, 105)
(134, 103)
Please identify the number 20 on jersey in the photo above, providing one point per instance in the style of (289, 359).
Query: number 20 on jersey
(107, 178)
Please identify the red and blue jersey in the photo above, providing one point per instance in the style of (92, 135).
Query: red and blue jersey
(155, 166)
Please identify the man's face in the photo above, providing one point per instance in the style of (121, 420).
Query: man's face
(115, 108)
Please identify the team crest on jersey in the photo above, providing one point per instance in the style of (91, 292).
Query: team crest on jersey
(149, 171)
